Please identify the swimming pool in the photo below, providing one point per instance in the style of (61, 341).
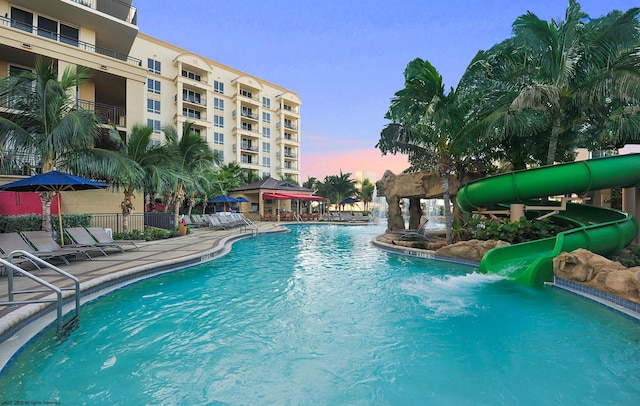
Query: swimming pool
(319, 316)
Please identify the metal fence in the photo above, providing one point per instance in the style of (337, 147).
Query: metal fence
(137, 221)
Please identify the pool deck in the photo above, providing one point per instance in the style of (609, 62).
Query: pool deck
(103, 274)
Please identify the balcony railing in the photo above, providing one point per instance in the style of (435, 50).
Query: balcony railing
(106, 113)
(288, 138)
(288, 126)
(194, 100)
(121, 11)
(68, 40)
(20, 163)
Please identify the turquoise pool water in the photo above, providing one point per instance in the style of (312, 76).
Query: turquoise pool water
(319, 316)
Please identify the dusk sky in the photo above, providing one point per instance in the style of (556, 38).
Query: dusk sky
(345, 59)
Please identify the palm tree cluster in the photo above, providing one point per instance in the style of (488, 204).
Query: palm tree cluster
(529, 100)
(337, 188)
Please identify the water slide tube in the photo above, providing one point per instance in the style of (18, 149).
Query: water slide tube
(598, 229)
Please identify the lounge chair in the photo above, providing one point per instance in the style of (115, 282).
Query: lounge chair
(43, 242)
(82, 238)
(103, 238)
(196, 221)
(10, 242)
(418, 233)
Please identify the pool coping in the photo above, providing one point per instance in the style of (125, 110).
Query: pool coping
(21, 325)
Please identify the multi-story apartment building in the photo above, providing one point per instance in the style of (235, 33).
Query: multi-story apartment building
(138, 79)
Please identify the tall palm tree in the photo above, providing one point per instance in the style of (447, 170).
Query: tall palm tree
(339, 187)
(576, 72)
(366, 193)
(46, 125)
(427, 124)
(143, 169)
(190, 156)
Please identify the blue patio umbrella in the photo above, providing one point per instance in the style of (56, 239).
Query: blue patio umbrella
(56, 182)
(224, 199)
(242, 200)
(350, 200)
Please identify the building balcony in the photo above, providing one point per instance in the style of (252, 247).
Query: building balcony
(247, 98)
(286, 167)
(249, 115)
(289, 111)
(250, 131)
(105, 113)
(292, 127)
(288, 139)
(245, 147)
(192, 100)
(114, 22)
(53, 36)
(287, 155)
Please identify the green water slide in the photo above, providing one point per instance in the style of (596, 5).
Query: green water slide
(598, 229)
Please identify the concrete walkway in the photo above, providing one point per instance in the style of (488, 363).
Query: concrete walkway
(102, 274)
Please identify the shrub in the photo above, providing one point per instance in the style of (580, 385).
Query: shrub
(26, 222)
(513, 232)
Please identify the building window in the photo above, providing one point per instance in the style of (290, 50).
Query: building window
(218, 87)
(219, 154)
(218, 138)
(191, 75)
(155, 124)
(246, 93)
(191, 113)
(153, 86)
(266, 102)
(218, 121)
(47, 28)
(266, 117)
(196, 131)
(69, 35)
(190, 95)
(266, 132)
(266, 147)
(266, 174)
(218, 104)
(154, 66)
(153, 106)
(22, 20)
(266, 162)
(247, 159)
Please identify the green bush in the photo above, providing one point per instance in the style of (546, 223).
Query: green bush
(513, 232)
(26, 222)
(633, 258)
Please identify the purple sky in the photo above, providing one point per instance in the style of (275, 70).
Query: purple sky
(344, 58)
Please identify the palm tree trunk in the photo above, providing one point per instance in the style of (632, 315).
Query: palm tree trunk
(553, 141)
(46, 198)
(446, 196)
(127, 209)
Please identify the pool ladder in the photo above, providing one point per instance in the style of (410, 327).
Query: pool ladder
(48, 287)
(251, 226)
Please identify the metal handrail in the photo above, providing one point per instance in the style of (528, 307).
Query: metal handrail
(58, 291)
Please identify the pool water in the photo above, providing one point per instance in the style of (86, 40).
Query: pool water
(320, 316)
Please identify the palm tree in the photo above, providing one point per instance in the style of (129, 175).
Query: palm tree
(190, 157)
(429, 125)
(578, 73)
(46, 125)
(366, 193)
(145, 170)
(339, 187)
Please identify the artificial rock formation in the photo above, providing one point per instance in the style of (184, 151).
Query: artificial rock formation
(472, 249)
(415, 186)
(598, 272)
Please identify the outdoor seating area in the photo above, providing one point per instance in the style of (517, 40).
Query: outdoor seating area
(220, 221)
(81, 243)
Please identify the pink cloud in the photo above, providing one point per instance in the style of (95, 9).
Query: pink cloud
(319, 165)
